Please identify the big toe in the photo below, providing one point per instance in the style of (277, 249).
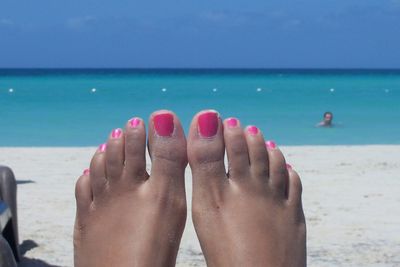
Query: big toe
(167, 148)
(206, 151)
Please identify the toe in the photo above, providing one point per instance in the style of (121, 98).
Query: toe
(278, 174)
(257, 153)
(135, 150)
(167, 147)
(206, 150)
(98, 180)
(295, 188)
(294, 195)
(115, 155)
(83, 194)
(236, 149)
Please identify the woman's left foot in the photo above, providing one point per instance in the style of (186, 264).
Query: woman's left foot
(251, 215)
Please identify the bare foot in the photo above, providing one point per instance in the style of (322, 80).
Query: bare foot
(124, 216)
(252, 215)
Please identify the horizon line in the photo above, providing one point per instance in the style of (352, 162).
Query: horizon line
(189, 68)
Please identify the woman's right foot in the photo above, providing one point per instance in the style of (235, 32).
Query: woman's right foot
(124, 216)
(252, 215)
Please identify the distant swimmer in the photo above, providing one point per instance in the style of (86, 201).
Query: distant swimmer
(327, 122)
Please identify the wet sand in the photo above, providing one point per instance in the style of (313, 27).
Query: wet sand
(351, 199)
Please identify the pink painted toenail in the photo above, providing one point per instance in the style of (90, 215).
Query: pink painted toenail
(102, 147)
(86, 172)
(232, 122)
(164, 124)
(135, 122)
(288, 166)
(253, 130)
(270, 144)
(116, 133)
(208, 124)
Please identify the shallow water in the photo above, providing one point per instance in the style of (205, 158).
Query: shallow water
(59, 107)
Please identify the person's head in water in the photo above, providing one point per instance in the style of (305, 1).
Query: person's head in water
(328, 117)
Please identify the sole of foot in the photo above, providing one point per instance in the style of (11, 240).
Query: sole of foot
(125, 216)
(250, 213)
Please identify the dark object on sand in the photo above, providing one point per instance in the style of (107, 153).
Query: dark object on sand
(8, 215)
(6, 255)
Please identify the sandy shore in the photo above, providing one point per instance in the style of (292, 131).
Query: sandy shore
(351, 199)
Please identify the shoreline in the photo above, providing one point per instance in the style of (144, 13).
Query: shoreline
(350, 198)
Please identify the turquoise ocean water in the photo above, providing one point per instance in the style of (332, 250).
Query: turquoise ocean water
(59, 107)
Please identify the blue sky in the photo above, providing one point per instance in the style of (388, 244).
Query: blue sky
(186, 33)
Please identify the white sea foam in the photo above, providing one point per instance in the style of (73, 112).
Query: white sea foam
(11, 90)
(94, 90)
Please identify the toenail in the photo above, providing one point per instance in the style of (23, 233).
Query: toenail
(134, 122)
(270, 144)
(164, 124)
(232, 122)
(253, 130)
(86, 172)
(116, 133)
(102, 147)
(208, 124)
(288, 166)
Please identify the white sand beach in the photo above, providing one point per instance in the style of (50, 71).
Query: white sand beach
(351, 200)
